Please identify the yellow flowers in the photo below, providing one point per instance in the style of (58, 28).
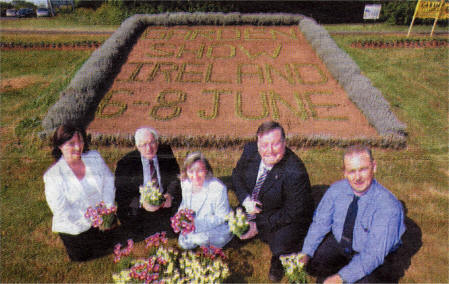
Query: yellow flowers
(150, 193)
(167, 265)
(203, 268)
(237, 222)
(294, 269)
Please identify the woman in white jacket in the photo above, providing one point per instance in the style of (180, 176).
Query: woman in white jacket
(207, 196)
(78, 179)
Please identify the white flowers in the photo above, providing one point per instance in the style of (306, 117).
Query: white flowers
(238, 224)
(294, 269)
(150, 194)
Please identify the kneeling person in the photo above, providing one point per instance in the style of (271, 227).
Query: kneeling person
(272, 183)
(151, 161)
(355, 226)
(207, 196)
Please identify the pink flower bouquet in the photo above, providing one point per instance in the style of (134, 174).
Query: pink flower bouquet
(101, 216)
(183, 221)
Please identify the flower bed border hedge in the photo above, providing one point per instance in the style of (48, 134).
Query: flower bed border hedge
(401, 43)
(49, 44)
(79, 101)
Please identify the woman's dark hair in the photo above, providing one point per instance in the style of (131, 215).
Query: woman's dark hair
(63, 134)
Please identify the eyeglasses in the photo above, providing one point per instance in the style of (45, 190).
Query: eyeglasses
(148, 144)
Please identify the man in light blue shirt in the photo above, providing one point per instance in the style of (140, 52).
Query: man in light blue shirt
(352, 253)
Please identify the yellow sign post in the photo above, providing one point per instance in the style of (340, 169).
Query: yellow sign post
(428, 9)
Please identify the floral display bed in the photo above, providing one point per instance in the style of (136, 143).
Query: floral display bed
(213, 84)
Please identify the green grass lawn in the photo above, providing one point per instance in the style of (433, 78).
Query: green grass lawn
(414, 81)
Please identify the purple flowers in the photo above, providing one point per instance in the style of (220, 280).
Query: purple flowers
(124, 252)
(101, 216)
(155, 240)
(211, 252)
(183, 221)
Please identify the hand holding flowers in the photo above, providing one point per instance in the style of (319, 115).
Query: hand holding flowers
(101, 216)
(237, 222)
(150, 196)
(183, 221)
(294, 267)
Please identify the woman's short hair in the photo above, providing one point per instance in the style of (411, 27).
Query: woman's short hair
(193, 158)
(63, 134)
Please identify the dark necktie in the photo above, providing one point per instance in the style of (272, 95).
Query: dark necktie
(152, 171)
(153, 175)
(348, 228)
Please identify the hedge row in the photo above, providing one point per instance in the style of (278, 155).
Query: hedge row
(46, 44)
(78, 102)
(212, 141)
(400, 43)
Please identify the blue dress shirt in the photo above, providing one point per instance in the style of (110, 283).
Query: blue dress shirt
(378, 227)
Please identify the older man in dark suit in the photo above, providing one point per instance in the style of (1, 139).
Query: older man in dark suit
(150, 161)
(272, 183)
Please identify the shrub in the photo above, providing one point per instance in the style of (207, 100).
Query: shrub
(110, 14)
(398, 12)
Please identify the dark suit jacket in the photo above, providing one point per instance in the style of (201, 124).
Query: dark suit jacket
(129, 176)
(285, 195)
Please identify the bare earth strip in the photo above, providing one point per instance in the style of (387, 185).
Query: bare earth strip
(224, 81)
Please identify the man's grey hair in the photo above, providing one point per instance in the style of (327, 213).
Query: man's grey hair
(140, 132)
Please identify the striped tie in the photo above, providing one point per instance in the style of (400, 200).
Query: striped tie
(259, 184)
(256, 190)
(153, 175)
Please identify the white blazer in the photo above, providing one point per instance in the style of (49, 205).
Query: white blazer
(210, 226)
(68, 199)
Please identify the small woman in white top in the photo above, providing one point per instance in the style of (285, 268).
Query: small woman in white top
(207, 196)
(77, 180)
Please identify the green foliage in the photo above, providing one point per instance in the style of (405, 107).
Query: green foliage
(27, 126)
(90, 4)
(111, 14)
(398, 12)
(23, 4)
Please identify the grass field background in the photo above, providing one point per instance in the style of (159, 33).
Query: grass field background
(414, 81)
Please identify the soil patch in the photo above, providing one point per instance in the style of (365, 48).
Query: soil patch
(224, 81)
(19, 82)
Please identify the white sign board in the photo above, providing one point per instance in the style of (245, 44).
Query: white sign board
(372, 11)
